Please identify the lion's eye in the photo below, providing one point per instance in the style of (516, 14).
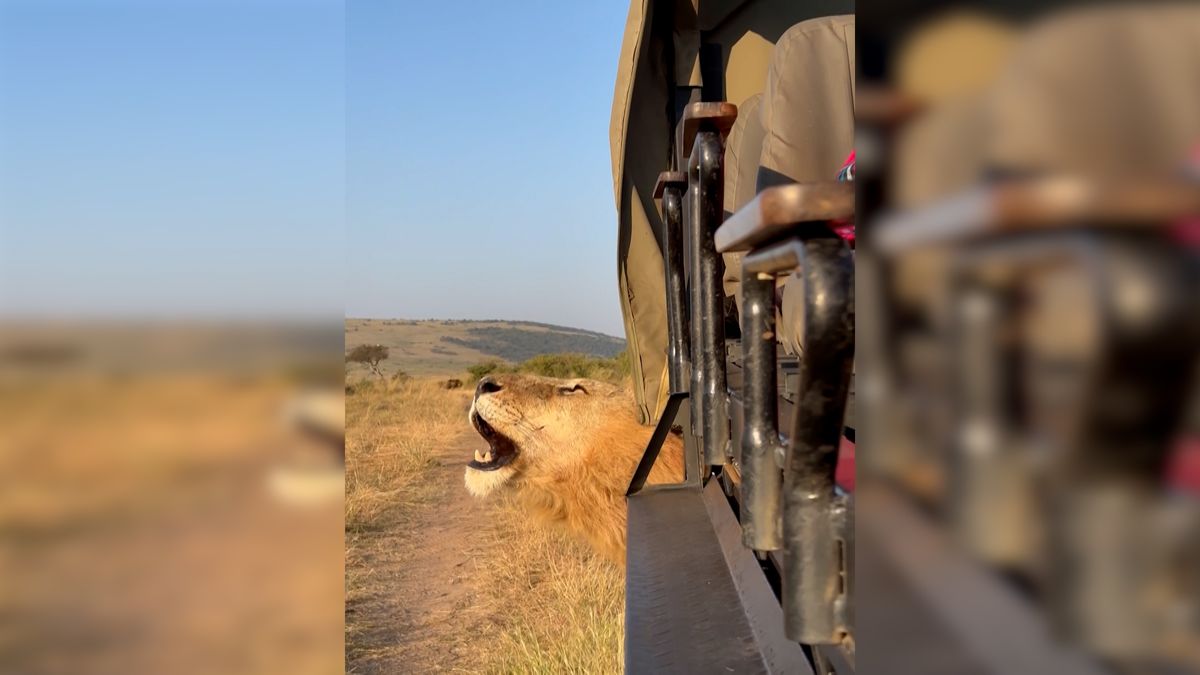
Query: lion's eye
(567, 390)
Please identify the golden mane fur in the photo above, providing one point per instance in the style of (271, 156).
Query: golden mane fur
(577, 444)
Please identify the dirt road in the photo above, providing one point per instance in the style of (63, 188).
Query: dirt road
(432, 616)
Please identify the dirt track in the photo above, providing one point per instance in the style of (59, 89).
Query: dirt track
(432, 619)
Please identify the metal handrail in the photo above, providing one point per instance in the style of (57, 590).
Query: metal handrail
(710, 415)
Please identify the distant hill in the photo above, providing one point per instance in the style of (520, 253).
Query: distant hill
(436, 347)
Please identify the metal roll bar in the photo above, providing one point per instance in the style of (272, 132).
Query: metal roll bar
(710, 414)
(789, 500)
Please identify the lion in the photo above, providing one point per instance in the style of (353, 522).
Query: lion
(566, 450)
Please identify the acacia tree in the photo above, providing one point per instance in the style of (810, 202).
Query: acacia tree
(368, 355)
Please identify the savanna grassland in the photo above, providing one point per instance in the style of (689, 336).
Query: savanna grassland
(450, 347)
(439, 581)
(136, 509)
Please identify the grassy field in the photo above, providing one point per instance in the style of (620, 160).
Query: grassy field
(448, 348)
(135, 508)
(392, 431)
(526, 599)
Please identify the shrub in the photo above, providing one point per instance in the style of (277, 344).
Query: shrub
(478, 370)
(622, 363)
(562, 366)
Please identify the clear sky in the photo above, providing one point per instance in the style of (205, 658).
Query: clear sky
(304, 157)
(171, 158)
(479, 174)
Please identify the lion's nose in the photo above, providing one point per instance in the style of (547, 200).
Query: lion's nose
(486, 386)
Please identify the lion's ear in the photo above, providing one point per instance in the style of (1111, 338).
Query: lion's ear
(571, 388)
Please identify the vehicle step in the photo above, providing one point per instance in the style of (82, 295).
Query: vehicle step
(696, 599)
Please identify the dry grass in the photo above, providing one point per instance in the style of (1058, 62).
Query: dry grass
(392, 430)
(549, 604)
(416, 347)
(90, 448)
(563, 366)
(563, 604)
(419, 348)
(134, 510)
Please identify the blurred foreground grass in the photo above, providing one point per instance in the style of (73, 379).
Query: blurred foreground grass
(134, 508)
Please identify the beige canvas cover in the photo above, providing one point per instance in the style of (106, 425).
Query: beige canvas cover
(659, 52)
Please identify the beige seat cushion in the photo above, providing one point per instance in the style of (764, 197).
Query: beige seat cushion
(742, 149)
(808, 104)
(1099, 91)
(938, 155)
(807, 114)
(1106, 91)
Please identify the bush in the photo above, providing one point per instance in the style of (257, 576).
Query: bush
(566, 366)
(562, 366)
(478, 370)
(622, 363)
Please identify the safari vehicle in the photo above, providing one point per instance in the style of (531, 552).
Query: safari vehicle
(1019, 412)
(1028, 269)
(745, 566)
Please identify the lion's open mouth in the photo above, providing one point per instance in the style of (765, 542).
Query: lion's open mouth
(500, 450)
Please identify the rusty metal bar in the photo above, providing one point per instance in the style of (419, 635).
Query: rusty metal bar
(678, 344)
(710, 417)
(814, 585)
(762, 475)
(661, 430)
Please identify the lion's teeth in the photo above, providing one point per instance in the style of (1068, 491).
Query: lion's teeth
(479, 456)
(487, 456)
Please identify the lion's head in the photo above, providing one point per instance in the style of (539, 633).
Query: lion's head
(536, 425)
(567, 450)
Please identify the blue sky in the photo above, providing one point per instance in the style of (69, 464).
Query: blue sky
(178, 158)
(479, 174)
(269, 158)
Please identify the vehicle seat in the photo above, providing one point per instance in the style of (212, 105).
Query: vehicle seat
(742, 150)
(807, 113)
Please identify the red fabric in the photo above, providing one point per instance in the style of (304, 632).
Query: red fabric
(845, 466)
(845, 228)
(1186, 232)
(1183, 469)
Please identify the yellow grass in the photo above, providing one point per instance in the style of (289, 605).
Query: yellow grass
(416, 347)
(420, 348)
(94, 447)
(392, 427)
(551, 605)
(138, 503)
(564, 605)
(392, 430)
